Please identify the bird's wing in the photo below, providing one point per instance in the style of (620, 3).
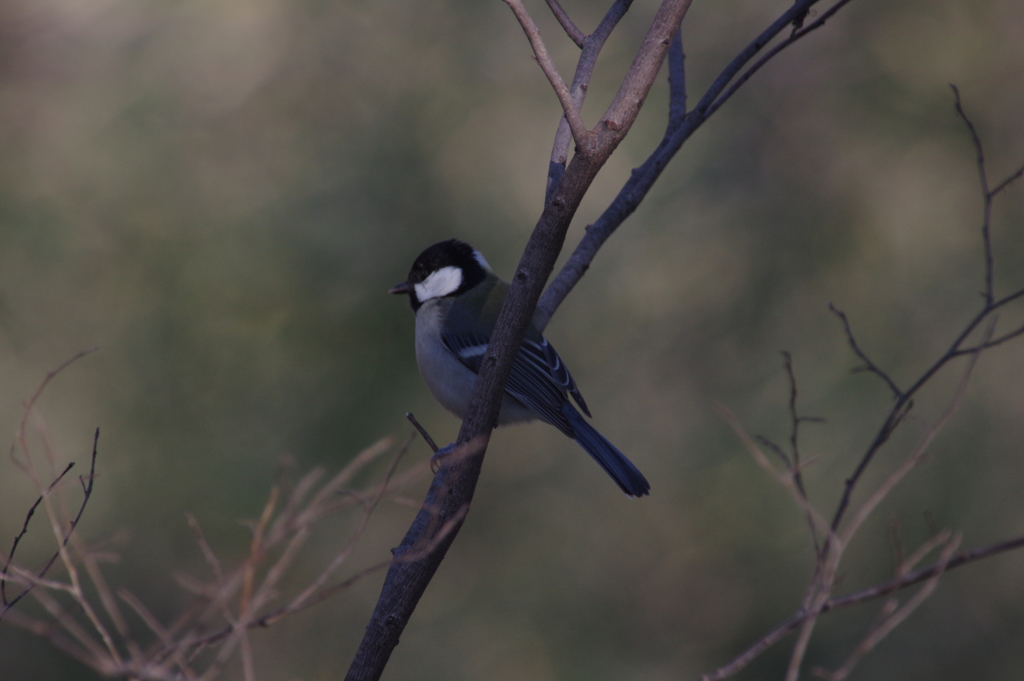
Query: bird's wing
(556, 367)
(533, 379)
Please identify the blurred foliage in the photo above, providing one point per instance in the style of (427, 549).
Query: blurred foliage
(218, 194)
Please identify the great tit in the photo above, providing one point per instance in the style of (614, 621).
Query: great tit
(456, 298)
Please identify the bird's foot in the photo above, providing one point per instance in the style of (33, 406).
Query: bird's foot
(439, 456)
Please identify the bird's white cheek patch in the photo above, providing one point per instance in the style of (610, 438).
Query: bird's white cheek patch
(440, 283)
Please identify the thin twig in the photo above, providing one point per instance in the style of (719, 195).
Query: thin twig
(17, 539)
(44, 497)
(91, 563)
(869, 366)
(592, 46)
(1013, 177)
(571, 30)
(571, 111)
(1019, 331)
(897, 475)
(299, 601)
(270, 618)
(816, 601)
(786, 478)
(738, 663)
(903, 402)
(644, 176)
(896, 617)
(796, 35)
(164, 635)
(986, 195)
(30, 405)
(794, 440)
(423, 431)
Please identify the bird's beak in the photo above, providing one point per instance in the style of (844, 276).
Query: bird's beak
(400, 288)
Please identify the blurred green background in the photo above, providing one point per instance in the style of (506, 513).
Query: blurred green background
(217, 194)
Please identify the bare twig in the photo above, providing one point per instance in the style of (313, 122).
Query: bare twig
(1013, 177)
(802, 618)
(821, 584)
(574, 33)
(802, 10)
(643, 177)
(861, 514)
(794, 441)
(44, 497)
(569, 108)
(592, 46)
(30, 405)
(423, 431)
(868, 366)
(818, 593)
(993, 342)
(17, 539)
(893, 617)
(986, 194)
(164, 635)
(786, 478)
(904, 399)
(299, 601)
(767, 641)
(173, 656)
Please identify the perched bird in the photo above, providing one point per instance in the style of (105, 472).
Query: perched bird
(457, 298)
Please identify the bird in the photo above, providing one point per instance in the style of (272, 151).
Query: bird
(456, 298)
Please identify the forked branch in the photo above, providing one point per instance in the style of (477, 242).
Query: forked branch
(570, 109)
(960, 346)
(678, 131)
(841, 530)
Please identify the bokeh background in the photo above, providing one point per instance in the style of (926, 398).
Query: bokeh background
(217, 194)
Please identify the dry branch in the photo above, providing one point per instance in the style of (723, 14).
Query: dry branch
(838, 535)
(570, 109)
(452, 490)
(237, 596)
(678, 131)
(592, 45)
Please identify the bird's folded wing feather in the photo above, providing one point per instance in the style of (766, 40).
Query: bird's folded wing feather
(538, 378)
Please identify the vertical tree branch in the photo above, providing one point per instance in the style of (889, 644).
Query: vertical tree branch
(452, 489)
(986, 194)
(676, 81)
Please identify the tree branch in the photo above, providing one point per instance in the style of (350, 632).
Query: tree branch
(644, 176)
(573, 31)
(869, 366)
(794, 442)
(676, 81)
(592, 46)
(738, 663)
(453, 486)
(904, 400)
(797, 19)
(569, 108)
(893, 617)
(986, 194)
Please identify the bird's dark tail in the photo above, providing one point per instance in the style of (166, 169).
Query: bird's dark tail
(605, 453)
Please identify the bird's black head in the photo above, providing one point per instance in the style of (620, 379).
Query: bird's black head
(448, 268)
